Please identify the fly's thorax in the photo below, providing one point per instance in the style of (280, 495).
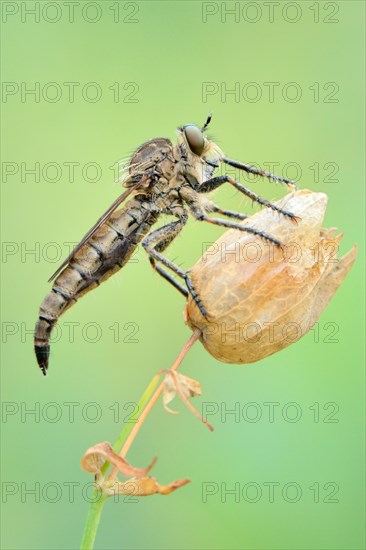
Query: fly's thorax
(149, 158)
(150, 153)
(192, 171)
(167, 168)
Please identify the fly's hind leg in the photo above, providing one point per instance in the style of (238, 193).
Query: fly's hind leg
(155, 243)
(168, 277)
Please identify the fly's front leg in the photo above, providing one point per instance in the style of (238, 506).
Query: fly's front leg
(201, 216)
(198, 210)
(214, 183)
(258, 172)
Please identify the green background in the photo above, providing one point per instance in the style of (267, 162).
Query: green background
(169, 52)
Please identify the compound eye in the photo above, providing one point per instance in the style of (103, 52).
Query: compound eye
(195, 139)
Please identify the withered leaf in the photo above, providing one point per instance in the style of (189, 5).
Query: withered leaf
(94, 458)
(139, 483)
(142, 487)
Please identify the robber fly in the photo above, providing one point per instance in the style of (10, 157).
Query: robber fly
(161, 178)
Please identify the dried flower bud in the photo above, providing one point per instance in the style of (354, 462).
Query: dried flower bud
(261, 298)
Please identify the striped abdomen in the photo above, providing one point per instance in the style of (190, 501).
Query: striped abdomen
(103, 254)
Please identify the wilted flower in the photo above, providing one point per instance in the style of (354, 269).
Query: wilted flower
(186, 387)
(261, 298)
(139, 483)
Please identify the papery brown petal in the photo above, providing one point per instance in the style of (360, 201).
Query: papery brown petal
(169, 392)
(225, 279)
(330, 284)
(192, 388)
(94, 458)
(258, 305)
(143, 487)
(327, 233)
(188, 386)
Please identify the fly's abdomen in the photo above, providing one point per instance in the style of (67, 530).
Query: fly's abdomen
(106, 252)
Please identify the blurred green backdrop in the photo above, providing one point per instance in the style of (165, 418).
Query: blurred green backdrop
(156, 65)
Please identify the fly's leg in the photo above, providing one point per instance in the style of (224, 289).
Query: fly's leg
(233, 225)
(168, 277)
(199, 213)
(228, 213)
(214, 183)
(162, 237)
(195, 296)
(258, 172)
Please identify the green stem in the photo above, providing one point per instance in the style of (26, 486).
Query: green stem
(92, 520)
(134, 417)
(97, 504)
(99, 499)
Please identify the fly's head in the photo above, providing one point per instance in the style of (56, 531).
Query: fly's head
(201, 153)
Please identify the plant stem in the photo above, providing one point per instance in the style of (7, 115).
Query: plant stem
(134, 419)
(92, 520)
(98, 500)
(157, 394)
(126, 437)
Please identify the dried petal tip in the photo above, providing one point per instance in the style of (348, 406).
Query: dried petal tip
(144, 487)
(260, 299)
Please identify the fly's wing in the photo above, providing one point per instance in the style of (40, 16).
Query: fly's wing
(101, 220)
(140, 168)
